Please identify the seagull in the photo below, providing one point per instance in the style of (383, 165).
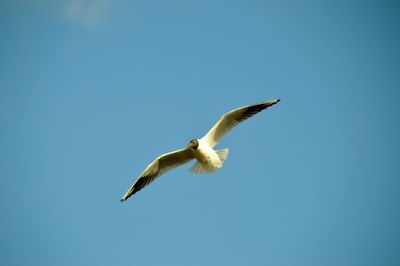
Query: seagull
(208, 159)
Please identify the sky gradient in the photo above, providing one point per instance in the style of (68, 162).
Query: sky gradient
(93, 91)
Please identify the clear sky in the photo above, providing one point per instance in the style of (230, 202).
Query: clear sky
(93, 91)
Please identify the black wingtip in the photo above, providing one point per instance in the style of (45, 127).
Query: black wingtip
(122, 200)
(278, 100)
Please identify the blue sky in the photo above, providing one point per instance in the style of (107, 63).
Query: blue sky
(92, 91)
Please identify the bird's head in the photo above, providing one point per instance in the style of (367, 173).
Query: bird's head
(194, 144)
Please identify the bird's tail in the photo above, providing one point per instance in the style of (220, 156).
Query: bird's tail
(223, 154)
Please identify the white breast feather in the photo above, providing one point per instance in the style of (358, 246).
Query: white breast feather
(208, 159)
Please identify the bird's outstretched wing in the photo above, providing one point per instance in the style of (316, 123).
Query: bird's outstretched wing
(229, 120)
(159, 166)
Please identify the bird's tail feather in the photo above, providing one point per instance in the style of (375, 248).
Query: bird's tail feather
(223, 154)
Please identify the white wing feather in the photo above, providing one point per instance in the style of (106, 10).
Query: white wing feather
(159, 166)
(229, 120)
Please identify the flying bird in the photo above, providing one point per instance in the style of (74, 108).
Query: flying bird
(202, 150)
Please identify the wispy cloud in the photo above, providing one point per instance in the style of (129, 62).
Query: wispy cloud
(87, 12)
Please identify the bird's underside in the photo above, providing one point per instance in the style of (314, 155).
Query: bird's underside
(202, 150)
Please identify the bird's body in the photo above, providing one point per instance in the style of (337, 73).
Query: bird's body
(207, 157)
(202, 150)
